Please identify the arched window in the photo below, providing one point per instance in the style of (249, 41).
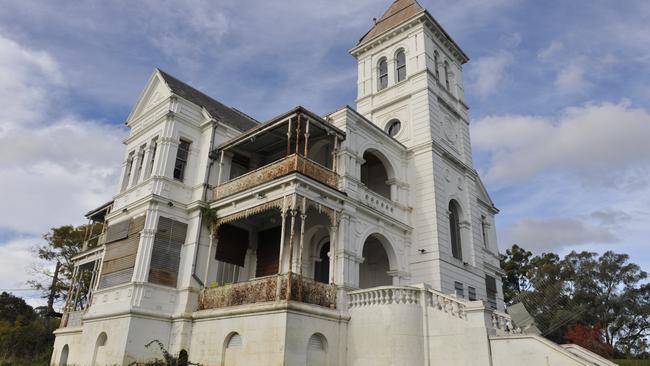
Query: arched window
(447, 75)
(435, 64)
(382, 69)
(232, 350)
(234, 341)
(97, 355)
(400, 66)
(454, 230)
(393, 127)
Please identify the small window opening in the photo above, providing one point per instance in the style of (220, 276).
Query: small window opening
(181, 160)
(394, 126)
(400, 61)
(383, 74)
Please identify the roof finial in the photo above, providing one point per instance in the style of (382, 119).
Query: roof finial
(374, 20)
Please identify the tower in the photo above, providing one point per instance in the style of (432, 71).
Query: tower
(410, 85)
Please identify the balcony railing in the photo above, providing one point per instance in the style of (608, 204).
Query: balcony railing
(94, 241)
(265, 289)
(277, 169)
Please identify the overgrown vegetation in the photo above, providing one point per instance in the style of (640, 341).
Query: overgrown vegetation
(182, 359)
(601, 303)
(25, 339)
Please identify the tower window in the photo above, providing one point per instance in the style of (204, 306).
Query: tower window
(447, 75)
(127, 171)
(471, 293)
(491, 287)
(484, 226)
(435, 64)
(383, 74)
(181, 159)
(458, 289)
(454, 230)
(393, 127)
(152, 155)
(400, 62)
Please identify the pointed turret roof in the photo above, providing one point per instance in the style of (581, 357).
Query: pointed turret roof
(398, 12)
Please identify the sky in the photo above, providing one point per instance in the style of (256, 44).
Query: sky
(558, 94)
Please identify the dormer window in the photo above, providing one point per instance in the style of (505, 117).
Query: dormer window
(400, 62)
(382, 69)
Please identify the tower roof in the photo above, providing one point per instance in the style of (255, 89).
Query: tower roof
(397, 13)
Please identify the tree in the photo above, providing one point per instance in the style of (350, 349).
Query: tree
(61, 245)
(14, 309)
(516, 264)
(589, 337)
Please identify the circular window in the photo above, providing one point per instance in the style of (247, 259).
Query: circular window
(393, 127)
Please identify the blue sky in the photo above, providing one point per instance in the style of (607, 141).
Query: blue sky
(558, 92)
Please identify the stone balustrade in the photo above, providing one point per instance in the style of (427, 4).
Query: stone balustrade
(383, 296)
(503, 322)
(289, 164)
(378, 202)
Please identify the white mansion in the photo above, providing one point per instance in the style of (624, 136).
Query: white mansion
(362, 237)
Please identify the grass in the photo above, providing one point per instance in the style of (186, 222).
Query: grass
(625, 362)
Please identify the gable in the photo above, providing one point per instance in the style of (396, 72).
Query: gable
(483, 195)
(154, 91)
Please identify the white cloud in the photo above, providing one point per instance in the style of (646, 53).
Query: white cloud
(571, 79)
(554, 234)
(54, 165)
(551, 52)
(600, 142)
(488, 73)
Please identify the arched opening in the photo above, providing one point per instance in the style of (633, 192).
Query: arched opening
(63, 360)
(374, 270)
(400, 66)
(183, 358)
(98, 354)
(322, 266)
(232, 349)
(382, 74)
(317, 350)
(454, 230)
(374, 174)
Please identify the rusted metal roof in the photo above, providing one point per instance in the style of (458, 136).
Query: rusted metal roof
(227, 115)
(398, 12)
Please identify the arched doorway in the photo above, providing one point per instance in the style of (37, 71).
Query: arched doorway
(374, 174)
(317, 350)
(63, 360)
(232, 349)
(322, 266)
(374, 270)
(98, 358)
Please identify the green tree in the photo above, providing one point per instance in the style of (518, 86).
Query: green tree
(61, 244)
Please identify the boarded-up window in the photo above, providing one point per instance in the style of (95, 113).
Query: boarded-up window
(232, 245)
(491, 287)
(120, 252)
(268, 251)
(166, 254)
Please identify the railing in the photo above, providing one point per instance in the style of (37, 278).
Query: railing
(93, 242)
(378, 202)
(265, 289)
(267, 173)
(503, 322)
(407, 295)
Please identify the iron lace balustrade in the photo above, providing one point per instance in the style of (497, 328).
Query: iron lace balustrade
(291, 164)
(264, 290)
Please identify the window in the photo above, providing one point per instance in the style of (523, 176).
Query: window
(454, 230)
(152, 155)
(383, 74)
(393, 127)
(138, 170)
(127, 171)
(447, 75)
(181, 159)
(458, 288)
(484, 226)
(400, 62)
(471, 293)
(435, 64)
(491, 287)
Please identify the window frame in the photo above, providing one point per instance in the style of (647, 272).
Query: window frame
(382, 76)
(400, 67)
(389, 126)
(436, 58)
(455, 239)
(459, 289)
(182, 160)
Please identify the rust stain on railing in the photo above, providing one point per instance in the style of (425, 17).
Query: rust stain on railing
(284, 166)
(264, 290)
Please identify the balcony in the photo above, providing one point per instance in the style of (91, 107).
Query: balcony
(296, 142)
(290, 164)
(265, 289)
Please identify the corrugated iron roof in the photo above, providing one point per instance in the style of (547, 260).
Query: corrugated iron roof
(227, 115)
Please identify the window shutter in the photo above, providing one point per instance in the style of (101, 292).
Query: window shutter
(166, 254)
(117, 231)
(234, 341)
